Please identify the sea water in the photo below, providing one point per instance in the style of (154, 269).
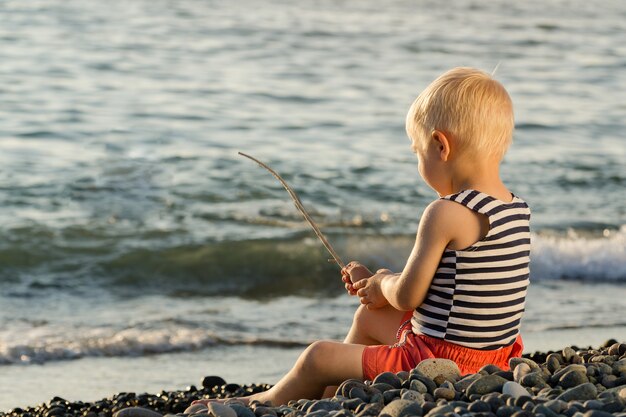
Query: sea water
(139, 252)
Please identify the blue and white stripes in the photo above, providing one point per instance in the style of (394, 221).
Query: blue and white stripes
(477, 296)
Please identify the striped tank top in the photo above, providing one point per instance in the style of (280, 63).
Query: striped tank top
(477, 296)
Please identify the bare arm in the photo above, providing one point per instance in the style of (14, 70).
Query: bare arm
(441, 225)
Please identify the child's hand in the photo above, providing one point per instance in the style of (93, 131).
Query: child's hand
(370, 293)
(354, 272)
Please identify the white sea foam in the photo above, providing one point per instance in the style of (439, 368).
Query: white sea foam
(579, 257)
(44, 345)
(564, 256)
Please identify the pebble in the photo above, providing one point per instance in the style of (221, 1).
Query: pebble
(388, 378)
(196, 408)
(572, 383)
(401, 408)
(573, 378)
(432, 368)
(520, 371)
(220, 410)
(445, 393)
(485, 385)
(514, 389)
(582, 392)
(136, 412)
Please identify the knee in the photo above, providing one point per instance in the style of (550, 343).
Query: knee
(315, 356)
(361, 317)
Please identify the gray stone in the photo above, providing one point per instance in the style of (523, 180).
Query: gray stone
(582, 392)
(520, 370)
(542, 409)
(568, 353)
(513, 362)
(388, 378)
(347, 385)
(401, 408)
(430, 385)
(370, 410)
(445, 393)
(417, 385)
(573, 367)
(572, 379)
(413, 395)
(326, 405)
(359, 392)
(489, 369)
(391, 395)
(432, 368)
(619, 366)
(440, 410)
(242, 410)
(556, 405)
(465, 382)
(352, 404)
(597, 413)
(196, 408)
(533, 379)
(485, 385)
(137, 412)
(515, 390)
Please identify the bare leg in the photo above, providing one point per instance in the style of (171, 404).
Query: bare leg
(374, 327)
(371, 327)
(322, 364)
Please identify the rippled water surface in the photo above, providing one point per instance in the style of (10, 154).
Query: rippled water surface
(131, 229)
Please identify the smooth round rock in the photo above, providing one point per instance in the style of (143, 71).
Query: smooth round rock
(212, 381)
(417, 385)
(388, 378)
(568, 353)
(520, 371)
(325, 405)
(196, 408)
(347, 385)
(582, 392)
(465, 382)
(572, 379)
(533, 379)
(432, 368)
(221, 410)
(358, 392)
(597, 413)
(515, 390)
(445, 393)
(401, 408)
(485, 385)
(513, 362)
(413, 395)
(242, 410)
(137, 412)
(440, 410)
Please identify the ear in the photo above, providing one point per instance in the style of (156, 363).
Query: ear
(442, 143)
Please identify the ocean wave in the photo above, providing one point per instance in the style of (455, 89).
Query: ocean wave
(600, 258)
(265, 268)
(41, 346)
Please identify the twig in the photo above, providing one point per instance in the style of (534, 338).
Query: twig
(300, 208)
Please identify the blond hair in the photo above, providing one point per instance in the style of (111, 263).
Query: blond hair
(468, 104)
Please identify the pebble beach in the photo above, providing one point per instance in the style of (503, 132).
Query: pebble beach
(134, 240)
(573, 382)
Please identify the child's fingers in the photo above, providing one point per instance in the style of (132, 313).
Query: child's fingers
(360, 284)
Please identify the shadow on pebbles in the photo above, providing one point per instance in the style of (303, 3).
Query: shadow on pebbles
(571, 383)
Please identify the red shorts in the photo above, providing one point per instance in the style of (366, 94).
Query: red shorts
(413, 348)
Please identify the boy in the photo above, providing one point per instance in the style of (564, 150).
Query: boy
(461, 294)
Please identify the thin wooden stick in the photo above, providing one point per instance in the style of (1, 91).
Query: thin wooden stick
(300, 208)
